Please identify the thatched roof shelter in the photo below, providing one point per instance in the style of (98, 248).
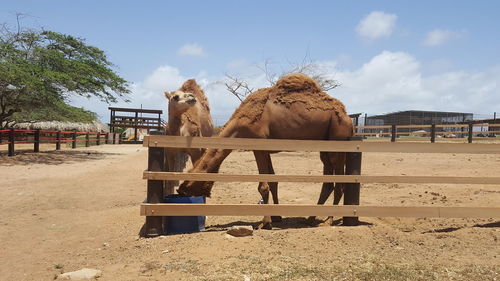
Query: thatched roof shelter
(95, 126)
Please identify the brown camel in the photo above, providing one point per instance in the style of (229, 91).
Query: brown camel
(188, 115)
(294, 108)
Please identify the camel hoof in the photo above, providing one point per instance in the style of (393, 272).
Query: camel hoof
(276, 218)
(327, 222)
(265, 225)
(312, 221)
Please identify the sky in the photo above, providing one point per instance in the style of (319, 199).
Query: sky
(387, 55)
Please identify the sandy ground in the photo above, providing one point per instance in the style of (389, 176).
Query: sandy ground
(63, 211)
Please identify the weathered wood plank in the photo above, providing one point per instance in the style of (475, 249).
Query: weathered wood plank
(316, 210)
(311, 145)
(318, 178)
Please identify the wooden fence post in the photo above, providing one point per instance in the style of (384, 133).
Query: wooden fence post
(106, 138)
(36, 141)
(87, 139)
(12, 139)
(98, 137)
(470, 133)
(351, 192)
(58, 140)
(114, 138)
(156, 163)
(393, 133)
(433, 133)
(73, 144)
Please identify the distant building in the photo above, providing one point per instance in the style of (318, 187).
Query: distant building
(418, 117)
(355, 118)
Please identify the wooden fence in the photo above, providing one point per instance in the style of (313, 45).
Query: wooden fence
(11, 137)
(157, 172)
(432, 131)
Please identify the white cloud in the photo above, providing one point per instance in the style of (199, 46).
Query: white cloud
(393, 81)
(147, 94)
(192, 49)
(376, 25)
(440, 36)
(164, 78)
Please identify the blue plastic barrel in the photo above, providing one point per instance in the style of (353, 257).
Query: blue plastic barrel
(183, 224)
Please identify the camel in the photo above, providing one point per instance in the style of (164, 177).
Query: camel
(188, 115)
(294, 108)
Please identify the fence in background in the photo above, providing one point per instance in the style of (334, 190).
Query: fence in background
(11, 137)
(481, 131)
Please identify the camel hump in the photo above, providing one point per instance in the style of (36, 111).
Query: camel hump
(297, 82)
(190, 86)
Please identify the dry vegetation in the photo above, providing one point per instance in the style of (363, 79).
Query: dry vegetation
(62, 211)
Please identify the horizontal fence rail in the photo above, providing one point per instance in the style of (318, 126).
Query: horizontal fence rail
(316, 210)
(428, 126)
(318, 178)
(312, 145)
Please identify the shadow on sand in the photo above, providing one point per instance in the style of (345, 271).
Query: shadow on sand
(285, 223)
(451, 229)
(51, 157)
(488, 225)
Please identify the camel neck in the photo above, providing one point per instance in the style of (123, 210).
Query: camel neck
(211, 160)
(174, 123)
(229, 130)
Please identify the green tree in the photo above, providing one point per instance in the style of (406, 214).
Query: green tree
(40, 70)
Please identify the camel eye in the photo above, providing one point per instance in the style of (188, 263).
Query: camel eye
(176, 98)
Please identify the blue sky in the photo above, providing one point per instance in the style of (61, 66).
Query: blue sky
(388, 55)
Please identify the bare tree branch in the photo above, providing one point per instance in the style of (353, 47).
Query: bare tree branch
(240, 88)
(237, 86)
(314, 69)
(271, 77)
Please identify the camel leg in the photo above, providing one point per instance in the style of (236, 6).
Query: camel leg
(169, 186)
(273, 186)
(195, 154)
(264, 165)
(340, 159)
(327, 187)
(328, 167)
(338, 164)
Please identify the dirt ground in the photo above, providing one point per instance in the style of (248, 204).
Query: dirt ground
(72, 209)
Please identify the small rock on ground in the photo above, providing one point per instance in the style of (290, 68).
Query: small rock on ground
(82, 274)
(240, 230)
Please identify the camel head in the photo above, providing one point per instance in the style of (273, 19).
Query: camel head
(179, 101)
(195, 188)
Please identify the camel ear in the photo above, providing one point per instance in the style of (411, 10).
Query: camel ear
(168, 95)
